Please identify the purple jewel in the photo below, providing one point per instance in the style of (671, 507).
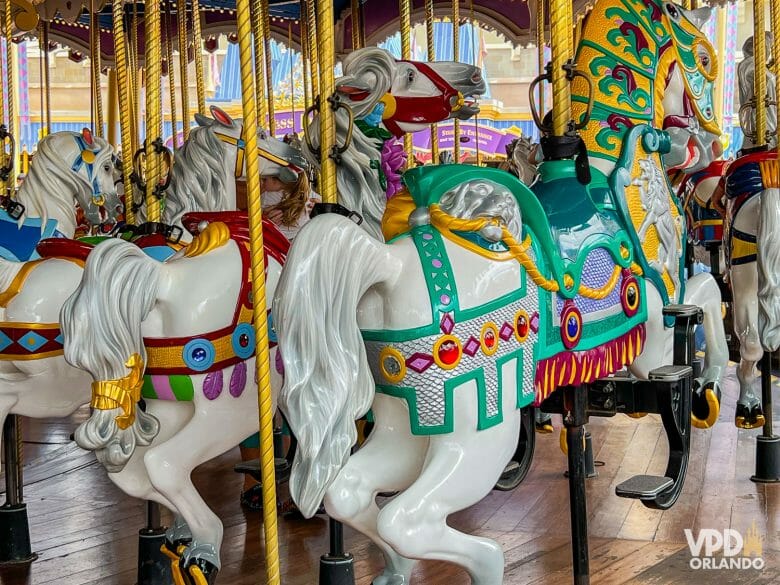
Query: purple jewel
(419, 362)
(471, 347)
(238, 380)
(212, 385)
(535, 322)
(279, 363)
(447, 323)
(427, 237)
(506, 331)
(436, 263)
(445, 300)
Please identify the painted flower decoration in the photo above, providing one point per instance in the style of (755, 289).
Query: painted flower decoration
(393, 161)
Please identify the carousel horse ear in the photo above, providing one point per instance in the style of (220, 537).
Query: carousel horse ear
(202, 120)
(354, 92)
(287, 175)
(86, 134)
(700, 16)
(221, 117)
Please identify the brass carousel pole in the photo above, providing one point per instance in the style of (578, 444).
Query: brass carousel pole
(305, 56)
(153, 79)
(431, 57)
(405, 8)
(135, 77)
(474, 54)
(262, 360)
(11, 85)
(759, 53)
(357, 24)
(125, 105)
(181, 8)
(169, 26)
(259, 33)
(540, 50)
(197, 43)
(94, 60)
(269, 83)
(313, 38)
(456, 57)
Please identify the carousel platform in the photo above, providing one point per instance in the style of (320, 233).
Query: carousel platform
(85, 530)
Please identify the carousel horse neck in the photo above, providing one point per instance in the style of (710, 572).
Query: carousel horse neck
(203, 175)
(64, 176)
(747, 114)
(631, 69)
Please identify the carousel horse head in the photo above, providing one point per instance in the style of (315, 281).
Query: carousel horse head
(688, 106)
(204, 168)
(407, 96)
(73, 167)
(380, 99)
(521, 159)
(280, 158)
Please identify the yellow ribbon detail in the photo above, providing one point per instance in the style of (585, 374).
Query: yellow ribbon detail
(123, 393)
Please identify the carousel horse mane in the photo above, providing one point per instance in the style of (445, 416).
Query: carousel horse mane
(372, 68)
(198, 178)
(50, 176)
(131, 292)
(342, 386)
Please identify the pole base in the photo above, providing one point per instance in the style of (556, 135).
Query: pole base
(15, 536)
(767, 459)
(154, 568)
(590, 463)
(337, 570)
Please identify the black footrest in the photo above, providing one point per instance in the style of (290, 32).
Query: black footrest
(681, 310)
(643, 487)
(670, 373)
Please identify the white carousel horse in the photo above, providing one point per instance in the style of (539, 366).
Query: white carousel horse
(750, 189)
(182, 305)
(35, 379)
(447, 331)
(625, 97)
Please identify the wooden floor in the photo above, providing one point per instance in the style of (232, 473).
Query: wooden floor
(85, 530)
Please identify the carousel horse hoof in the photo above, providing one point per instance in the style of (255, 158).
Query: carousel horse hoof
(173, 551)
(201, 572)
(747, 417)
(705, 405)
(390, 579)
(544, 427)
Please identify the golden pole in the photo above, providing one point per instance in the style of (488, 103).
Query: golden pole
(258, 293)
(456, 57)
(356, 24)
(152, 58)
(11, 76)
(560, 41)
(775, 11)
(405, 9)
(686, 4)
(258, 37)
(759, 52)
(184, 81)
(474, 53)
(112, 106)
(125, 106)
(292, 76)
(46, 74)
(171, 79)
(94, 57)
(314, 62)
(41, 50)
(431, 57)
(135, 78)
(326, 55)
(197, 43)
(540, 50)
(305, 56)
(269, 82)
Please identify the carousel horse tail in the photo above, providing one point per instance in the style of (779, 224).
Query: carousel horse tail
(769, 269)
(329, 269)
(101, 326)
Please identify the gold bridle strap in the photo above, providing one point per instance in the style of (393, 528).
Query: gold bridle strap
(123, 393)
(241, 148)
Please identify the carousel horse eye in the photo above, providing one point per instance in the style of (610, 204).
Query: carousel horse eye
(410, 75)
(672, 10)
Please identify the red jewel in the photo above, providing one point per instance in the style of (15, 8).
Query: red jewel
(522, 326)
(243, 340)
(490, 338)
(448, 353)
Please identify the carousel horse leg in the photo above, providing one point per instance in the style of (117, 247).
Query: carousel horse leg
(352, 496)
(210, 432)
(744, 280)
(702, 290)
(460, 469)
